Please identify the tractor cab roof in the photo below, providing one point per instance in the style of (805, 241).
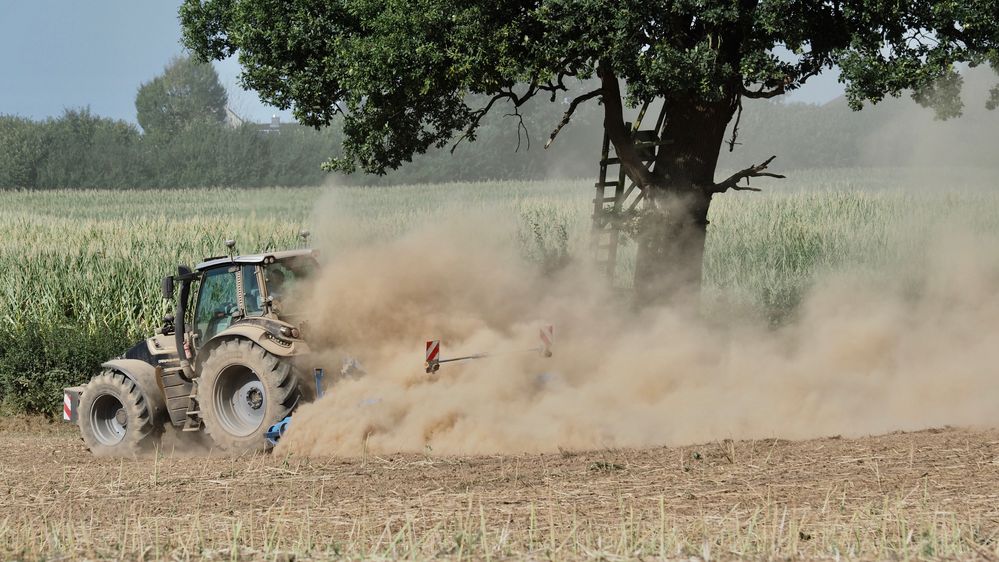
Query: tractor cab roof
(270, 257)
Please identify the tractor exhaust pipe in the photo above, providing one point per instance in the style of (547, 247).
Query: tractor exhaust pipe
(185, 276)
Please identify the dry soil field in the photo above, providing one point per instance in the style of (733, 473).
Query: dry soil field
(929, 494)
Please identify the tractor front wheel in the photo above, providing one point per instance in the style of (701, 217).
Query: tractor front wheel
(243, 390)
(114, 417)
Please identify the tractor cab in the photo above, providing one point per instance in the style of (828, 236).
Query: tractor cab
(230, 290)
(239, 296)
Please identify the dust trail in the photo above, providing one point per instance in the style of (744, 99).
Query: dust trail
(866, 354)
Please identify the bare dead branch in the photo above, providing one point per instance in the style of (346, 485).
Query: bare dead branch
(520, 125)
(735, 128)
(732, 182)
(517, 100)
(568, 113)
(478, 115)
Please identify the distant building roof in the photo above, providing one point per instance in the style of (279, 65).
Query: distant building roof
(232, 118)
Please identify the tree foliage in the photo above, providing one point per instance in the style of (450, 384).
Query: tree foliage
(22, 152)
(402, 71)
(187, 94)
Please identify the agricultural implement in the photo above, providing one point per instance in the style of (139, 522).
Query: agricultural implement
(231, 363)
(431, 365)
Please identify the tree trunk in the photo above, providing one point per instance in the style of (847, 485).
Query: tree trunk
(671, 240)
(673, 230)
(678, 189)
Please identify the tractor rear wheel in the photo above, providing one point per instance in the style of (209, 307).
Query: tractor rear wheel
(243, 390)
(114, 417)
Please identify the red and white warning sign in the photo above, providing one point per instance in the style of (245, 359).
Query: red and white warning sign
(433, 358)
(433, 355)
(71, 403)
(67, 407)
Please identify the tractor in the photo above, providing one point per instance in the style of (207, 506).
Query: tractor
(228, 363)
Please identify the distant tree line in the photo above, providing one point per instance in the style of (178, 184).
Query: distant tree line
(82, 150)
(186, 140)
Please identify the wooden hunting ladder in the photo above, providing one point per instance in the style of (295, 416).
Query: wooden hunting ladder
(617, 196)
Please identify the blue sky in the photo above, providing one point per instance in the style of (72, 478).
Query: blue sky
(57, 54)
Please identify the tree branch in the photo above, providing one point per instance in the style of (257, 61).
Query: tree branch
(735, 128)
(762, 94)
(568, 113)
(520, 125)
(478, 115)
(803, 71)
(732, 182)
(509, 94)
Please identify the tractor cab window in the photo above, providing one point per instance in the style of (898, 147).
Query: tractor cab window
(216, 303)
(253, 297)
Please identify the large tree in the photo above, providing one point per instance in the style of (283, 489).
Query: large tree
(187, 93)
(402, 71)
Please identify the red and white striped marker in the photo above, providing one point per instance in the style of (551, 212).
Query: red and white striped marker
(67, 407)
(433, 355)
(547, 339)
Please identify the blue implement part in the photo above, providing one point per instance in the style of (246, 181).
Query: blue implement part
(277, 430)
(319, 373)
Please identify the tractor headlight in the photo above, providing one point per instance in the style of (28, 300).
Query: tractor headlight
(289, 332)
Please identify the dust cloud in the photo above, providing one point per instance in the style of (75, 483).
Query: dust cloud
(910, 135)
(864, 354)
(912, 346)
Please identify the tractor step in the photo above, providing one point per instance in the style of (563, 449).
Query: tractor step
(193, 422)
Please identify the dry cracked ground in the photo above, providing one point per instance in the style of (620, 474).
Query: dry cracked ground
(927, 494)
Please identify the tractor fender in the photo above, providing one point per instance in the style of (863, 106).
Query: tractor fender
(274, 344)
(144, 376)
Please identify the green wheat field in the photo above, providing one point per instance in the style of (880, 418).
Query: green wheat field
(80, 270)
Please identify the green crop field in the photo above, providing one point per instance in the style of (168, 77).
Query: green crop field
(80, 270)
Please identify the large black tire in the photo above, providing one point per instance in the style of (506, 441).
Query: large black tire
(114, 417)
(243, 390)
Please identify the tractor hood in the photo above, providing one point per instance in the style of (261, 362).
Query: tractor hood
(280, 338)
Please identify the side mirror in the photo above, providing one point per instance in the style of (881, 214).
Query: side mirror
(167, 287)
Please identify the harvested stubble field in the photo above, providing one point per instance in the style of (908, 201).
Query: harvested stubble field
(929, 494)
